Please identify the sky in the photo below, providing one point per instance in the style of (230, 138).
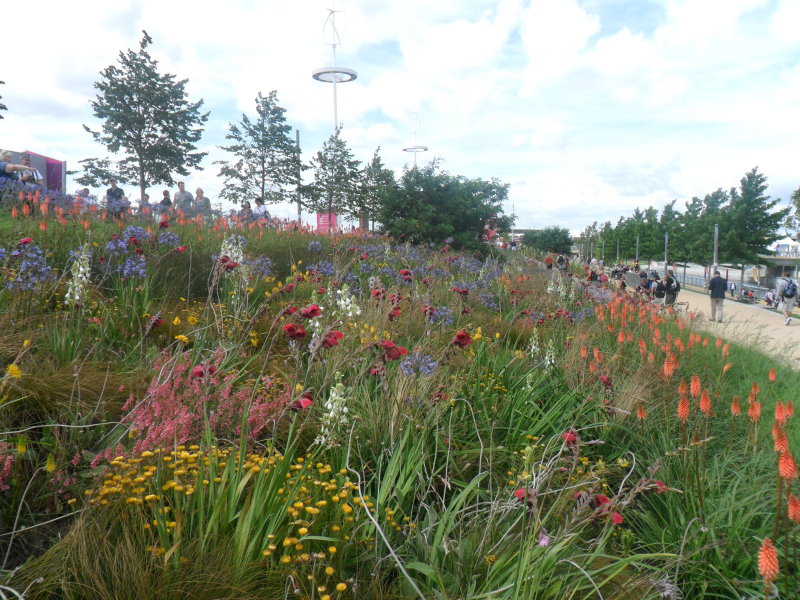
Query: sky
(586, 108)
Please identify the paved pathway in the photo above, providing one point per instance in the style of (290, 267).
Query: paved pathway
(750, 323)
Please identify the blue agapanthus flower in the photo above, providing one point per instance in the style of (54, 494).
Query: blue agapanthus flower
(323, 267)
(32, 268)
(418, 364)
(132, 231)
(261, 266)
(169, 239)
(441, 315)
(134, 267)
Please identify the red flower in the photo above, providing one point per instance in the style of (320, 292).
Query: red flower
(294, 332)
(25, 241)
(394, 313)
(290, 287)
(616, 518)
(462, 339)
(378, 371)
(332, 339)
(321, 290)
(231, 265)
(163, 224)
(302, 403)
(523, 495)
(364, 256)
(311, 311)
(606, 381)
(391, 351)
(202, 371)
(289, 310)
(661, 487)
(569, 437)
(601, 499)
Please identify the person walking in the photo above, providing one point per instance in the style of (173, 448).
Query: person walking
(673, 287)
(786, 291)
(717, 288)
(183, 200)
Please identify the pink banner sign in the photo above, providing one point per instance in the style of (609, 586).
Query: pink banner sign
(323, 224)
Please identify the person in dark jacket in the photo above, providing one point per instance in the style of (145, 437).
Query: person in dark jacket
(717, 288)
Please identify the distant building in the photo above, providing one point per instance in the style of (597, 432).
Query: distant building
(785, 255)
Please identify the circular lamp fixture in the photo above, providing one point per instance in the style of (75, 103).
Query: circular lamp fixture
(334, 74)
(416, 149)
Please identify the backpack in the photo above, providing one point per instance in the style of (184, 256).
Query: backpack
(675, 286)
(790, 291)
(660, 290)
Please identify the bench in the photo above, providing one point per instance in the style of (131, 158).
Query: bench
(745, 299)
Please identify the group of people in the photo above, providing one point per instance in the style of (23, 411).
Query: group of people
(249, 213)
(190, 205)
(22, 171)
(659, 291)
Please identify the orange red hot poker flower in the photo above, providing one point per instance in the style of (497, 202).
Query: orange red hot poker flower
(787, 467)
(768, 565)
(694, 387)
(683, 408)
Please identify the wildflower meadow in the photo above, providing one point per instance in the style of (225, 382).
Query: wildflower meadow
(196, 408)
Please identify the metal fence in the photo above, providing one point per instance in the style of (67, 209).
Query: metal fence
(632, 280)
(699, 281)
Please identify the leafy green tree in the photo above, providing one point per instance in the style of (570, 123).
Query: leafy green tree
(2, 106)
(376, 183)
(265, 156)
(750, 223)
(430, 205)
(793, 220)
(336, 179)
(146, 118)
(550, 239)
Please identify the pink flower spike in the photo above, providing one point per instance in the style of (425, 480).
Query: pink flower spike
(616, 518)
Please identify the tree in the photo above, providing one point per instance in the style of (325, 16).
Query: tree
(376, 183)
(265, 155)
(550, 239)
(430, 205)
(750, 224)
(793, 220)
(2, 106)
(336, 178)
(146, 118)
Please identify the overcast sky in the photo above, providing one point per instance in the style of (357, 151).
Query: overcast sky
(587, 108)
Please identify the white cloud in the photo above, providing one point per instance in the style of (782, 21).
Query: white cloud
(784, 22)
(586, 112)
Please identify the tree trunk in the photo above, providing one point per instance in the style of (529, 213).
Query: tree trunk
(141, 182)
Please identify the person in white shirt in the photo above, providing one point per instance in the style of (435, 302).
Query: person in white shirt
(260, 211)
(29, 176)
